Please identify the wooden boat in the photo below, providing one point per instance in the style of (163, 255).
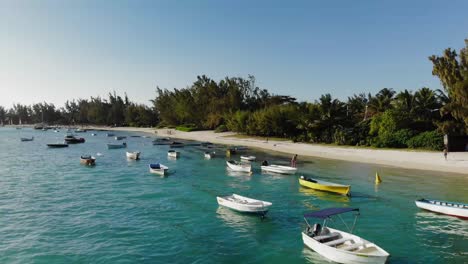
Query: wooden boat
(158, 168)
(57, 145)
(73, 140)
(88, 160)
(244, 204)
(120, 137)
(337, 245)
(238, 166)
(279, 169)
(27, 139)
(443, 207)
(324, 186)
(248, 158)
(116, 146)
(209, 155)
(173, 154)
(176, 144)
(110, 134)
(135, 155)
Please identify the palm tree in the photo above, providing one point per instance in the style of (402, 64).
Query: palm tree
(382, 101)
(404, 101)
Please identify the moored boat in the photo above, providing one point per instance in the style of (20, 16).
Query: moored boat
(443, 207)
(57, 145)
(337, 245)
(88, 160)
(324, 186)
(173, 153)
(244, 204)
(209, 155)
(248, 158)
(116, 146)
(176, 144)
(134, 155)
(120, 137)
(27, 139)
(93, 134)
(162, 141)
(158, 168)
(279, 169)
(238, 166)
(110, 134)
(70, 139)
(79, 130)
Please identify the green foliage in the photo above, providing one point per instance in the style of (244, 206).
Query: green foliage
(221, 128)
(431, 140)
(187, 128)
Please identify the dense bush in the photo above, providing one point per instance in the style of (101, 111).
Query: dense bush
(221, 128)
(427, 140)
(187, 128)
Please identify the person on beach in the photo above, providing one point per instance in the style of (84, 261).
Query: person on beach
(294, 160)
(445, 153)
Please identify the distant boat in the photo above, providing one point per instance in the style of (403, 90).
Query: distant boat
(56, 131)
(279, 169)
(135, 155)
(88, 160)
(173, 154)
(135, 136)
(70, 139)
(244, 204)
(110, 134)
(120, 137)
(158, 168)
(248, 158)
(93, 134)
(57, 145)
(176, 144)
(18, 128)
(27, 139)
(324, 186)
(337, 245)
(237, 166)
(79, 130)
(209, 155)
(444, 207)
(162, 141)
(116, 146)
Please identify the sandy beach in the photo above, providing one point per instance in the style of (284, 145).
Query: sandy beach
(457, 161)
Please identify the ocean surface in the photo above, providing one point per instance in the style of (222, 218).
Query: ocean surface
(54, 210)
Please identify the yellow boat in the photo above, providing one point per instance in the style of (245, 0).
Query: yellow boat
(325, 186)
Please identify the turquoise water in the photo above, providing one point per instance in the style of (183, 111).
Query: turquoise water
(54, 210)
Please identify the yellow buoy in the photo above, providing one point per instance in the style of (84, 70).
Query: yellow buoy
(377, 178)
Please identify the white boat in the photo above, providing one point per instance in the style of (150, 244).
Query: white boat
(157, 168)
(244, 204)
(248, 158)
(444, 207)
(120, 137)
(27, 139)
(93, 134)
(279, 169)
(209, 155)
(337, 245)
(173, 153)
(238, 166)
(116, 146)
(134, 155)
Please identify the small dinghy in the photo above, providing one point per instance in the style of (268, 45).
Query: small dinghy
(110, 134)
(324, 186)
(134, 155)
(248, 158)
(337, 245)
(244, 204)
(120, 137)
(279, 169)
(173, 154)
(88, 160)
(158, 168)
(209, 155)
(238, 166)
(116, 146)
(70, 139)
(443, 207)
(27, 139)
(57, 145)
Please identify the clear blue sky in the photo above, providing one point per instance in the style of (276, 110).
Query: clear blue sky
(56, 50)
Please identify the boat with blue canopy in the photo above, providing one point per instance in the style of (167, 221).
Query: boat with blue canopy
(337, 245)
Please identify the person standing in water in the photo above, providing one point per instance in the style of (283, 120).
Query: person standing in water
(294, 160)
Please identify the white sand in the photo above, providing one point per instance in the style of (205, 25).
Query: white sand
(457, 162)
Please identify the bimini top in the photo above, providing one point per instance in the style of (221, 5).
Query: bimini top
(322, 214)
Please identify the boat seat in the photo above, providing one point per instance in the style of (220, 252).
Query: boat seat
(368, 250)
(328, 236)
(338, 241)
(352, 247)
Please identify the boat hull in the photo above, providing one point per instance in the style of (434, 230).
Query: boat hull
(173, 154)
(133, 155)
(441, 207)
(343, 256)
(116, 146)
(57, 145)
(88, 162)
(261, 207)
(279, 169)
(326, 187)
(239, 168)
(161, 171)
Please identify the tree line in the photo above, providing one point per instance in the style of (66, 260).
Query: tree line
(414, 119)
